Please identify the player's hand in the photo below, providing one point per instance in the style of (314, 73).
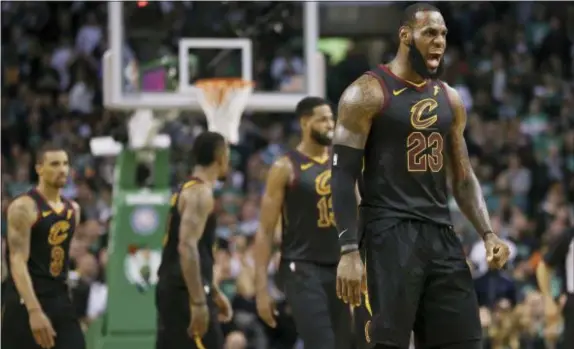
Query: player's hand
(266, 308)
(497, 251)
(350, 278)
(225, 311)
(551, 311)
(199, 321)
(42, 329)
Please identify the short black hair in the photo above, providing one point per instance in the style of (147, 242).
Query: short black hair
(409, 14)
(205, 148)
(306, 106)
(46, 148)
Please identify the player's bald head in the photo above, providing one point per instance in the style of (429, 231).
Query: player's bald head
(413, 14)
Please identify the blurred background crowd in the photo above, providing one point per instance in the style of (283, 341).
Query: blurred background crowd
(512, 63)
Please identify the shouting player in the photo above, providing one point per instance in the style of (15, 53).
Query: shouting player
(299, 191)
(38, 311)
(408, 126)
(189, 305)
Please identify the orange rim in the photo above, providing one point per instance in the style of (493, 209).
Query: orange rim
(224, 82)
(215, 89)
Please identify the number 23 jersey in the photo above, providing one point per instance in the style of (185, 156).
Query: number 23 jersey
(405, 167)
(309, 232)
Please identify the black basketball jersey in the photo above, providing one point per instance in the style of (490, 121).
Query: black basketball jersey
(50, 238)
(309, 232)
(404, 173)
(170, 268)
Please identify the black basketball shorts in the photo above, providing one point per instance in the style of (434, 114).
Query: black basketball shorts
(322, 320)
(16, 332)
(418, 280)
(173, 317)
(568, 341)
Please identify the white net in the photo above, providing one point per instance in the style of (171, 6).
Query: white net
(223, 102)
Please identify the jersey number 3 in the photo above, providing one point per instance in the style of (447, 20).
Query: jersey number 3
(424, 152)
(59, 232)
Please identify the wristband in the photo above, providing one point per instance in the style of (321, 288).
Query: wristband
(349, 248)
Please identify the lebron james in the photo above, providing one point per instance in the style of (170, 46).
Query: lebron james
(406, 127)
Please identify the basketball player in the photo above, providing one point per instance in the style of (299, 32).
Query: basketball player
(298, 190)
(38, 311)
(189, 305)
(408, 126)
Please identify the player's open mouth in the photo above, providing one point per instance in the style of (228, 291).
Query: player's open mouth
(433, 60)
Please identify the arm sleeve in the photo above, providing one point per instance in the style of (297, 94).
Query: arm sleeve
(346, 169)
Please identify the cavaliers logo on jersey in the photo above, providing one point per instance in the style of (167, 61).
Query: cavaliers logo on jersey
(423, 114)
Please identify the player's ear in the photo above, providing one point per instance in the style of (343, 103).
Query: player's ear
(405, 35)
(39, 169)
(221, 155)
(303, 121)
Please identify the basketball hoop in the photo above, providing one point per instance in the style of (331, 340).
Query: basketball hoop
(223, 101)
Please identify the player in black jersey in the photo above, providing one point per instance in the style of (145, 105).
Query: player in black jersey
(299, 192)
(189, 305)
(408, 127)
(38, 312)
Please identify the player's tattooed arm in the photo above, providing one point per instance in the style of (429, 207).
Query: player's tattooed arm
(22, 215)
(195, 206)
(358, 105)
(271, 204)
(360, 102)
(465, 186)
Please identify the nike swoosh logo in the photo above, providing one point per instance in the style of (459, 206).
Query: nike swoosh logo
(343, 232)
(436, 90)
(398, 92)
(46, 213)
(306, 166)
